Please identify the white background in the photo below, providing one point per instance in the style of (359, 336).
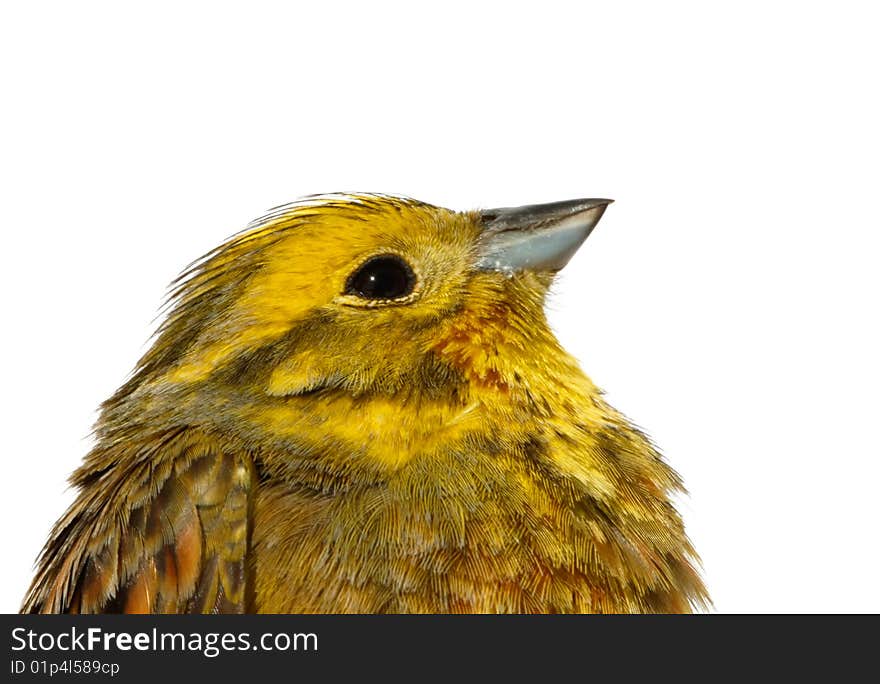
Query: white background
(727, 300)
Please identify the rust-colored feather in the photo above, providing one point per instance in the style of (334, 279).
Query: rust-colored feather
(157, 555)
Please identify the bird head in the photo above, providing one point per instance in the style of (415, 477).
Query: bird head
(363, 295)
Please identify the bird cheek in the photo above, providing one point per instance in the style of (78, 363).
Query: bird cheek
(303, 373)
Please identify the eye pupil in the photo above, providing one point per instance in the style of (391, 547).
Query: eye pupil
(382, 277)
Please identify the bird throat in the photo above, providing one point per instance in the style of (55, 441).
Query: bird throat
(484, 370)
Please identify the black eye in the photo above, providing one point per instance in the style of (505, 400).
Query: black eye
(382, 277)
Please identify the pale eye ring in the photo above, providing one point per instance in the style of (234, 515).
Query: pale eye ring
(382, 277)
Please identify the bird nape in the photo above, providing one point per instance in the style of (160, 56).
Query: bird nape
(357, 405)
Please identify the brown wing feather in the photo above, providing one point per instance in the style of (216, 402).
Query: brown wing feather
(160, 526)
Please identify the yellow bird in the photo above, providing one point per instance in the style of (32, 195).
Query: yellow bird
(357, 405)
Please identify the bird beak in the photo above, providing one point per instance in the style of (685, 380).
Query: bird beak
(536, 237)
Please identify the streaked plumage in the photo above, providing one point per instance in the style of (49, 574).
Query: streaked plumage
(288, 446)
